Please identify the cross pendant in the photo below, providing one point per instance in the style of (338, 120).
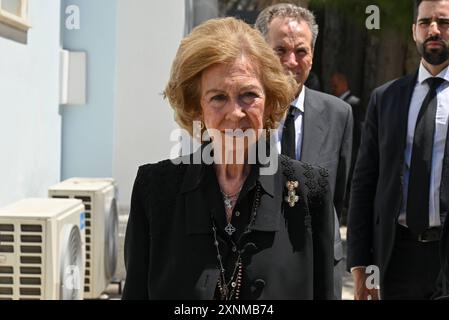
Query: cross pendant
(230, 229)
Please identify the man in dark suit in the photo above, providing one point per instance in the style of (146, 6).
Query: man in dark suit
(399, 197)
(318, 127)
(340, 88)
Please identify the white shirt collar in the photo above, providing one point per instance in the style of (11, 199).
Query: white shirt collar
(423, 74)
(298, 103)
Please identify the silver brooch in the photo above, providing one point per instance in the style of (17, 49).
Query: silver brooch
(291, 197)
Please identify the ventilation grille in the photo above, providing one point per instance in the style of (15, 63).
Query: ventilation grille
(87, 201)
(6, 271)
(22, 243)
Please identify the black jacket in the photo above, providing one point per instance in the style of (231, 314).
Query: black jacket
(376, 192)
(169, 245)
(377, 185)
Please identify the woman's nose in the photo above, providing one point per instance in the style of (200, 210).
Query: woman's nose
(236, 112)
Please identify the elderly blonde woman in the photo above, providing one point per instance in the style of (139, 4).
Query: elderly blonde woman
(225, 229)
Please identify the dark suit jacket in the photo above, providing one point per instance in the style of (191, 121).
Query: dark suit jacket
(327, 142)
(376, 194)
(169, 250)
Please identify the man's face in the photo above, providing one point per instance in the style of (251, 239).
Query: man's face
(431, 32)
(338, 85)
(292, 42)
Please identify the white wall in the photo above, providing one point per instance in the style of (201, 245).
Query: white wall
(148, 35)
(30, 125)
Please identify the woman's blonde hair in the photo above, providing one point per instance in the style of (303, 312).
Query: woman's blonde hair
(223, 41)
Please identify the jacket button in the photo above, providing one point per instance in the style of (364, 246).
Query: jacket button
(259, 283)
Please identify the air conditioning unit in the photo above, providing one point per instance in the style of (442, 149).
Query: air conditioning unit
(42, 250)
(100, 200)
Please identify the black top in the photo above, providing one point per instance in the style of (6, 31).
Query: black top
(243, 205)
(169, 245)
(231, 245)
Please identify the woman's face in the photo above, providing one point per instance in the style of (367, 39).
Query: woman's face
(232, 97)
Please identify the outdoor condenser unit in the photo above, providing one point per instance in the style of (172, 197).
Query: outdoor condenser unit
(42, 250)
(100, 200)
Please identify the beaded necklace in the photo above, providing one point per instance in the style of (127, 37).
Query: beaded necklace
(231, 289)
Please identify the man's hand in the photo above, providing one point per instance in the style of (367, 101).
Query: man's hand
(361, 292)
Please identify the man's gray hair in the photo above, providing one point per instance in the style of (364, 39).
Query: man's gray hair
(286, 10)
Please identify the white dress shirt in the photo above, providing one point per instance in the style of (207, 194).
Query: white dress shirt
(298, 105)
(441, 125)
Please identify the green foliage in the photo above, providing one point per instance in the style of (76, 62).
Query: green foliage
(395, 15)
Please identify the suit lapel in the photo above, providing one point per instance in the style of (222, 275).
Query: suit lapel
(314, 125)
